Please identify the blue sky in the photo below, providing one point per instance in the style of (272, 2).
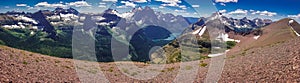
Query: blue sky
(271, 9)
(188, 8)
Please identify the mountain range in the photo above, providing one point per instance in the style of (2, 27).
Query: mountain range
(270, 62)
(257, 50)
(123, 27)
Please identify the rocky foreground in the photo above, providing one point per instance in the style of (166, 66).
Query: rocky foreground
(278, 62)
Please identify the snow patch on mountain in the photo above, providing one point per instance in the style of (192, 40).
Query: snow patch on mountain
(26, 19)
(290, 22)
(126, 15)
(256, 37)
(95, 18)
(202, 31)
(54, 18)
(197, 31)
(67, 17)
(103, 23)
(225, 37)
(12, 26)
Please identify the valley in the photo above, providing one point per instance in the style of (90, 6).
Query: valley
(144, 45)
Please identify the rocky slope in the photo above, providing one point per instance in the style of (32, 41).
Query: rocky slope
(274, 63)
(276, 32)
(21, 66)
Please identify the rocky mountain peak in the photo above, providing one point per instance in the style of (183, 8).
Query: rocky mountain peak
(59, 10)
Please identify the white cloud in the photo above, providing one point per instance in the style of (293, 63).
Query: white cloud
(139, 1)
(226, 1)
(79, 4)
(266, 13)
(179, 11)
(101, 3)
(21, 5)
(110, 0)
(187, 13)
(238, 12)
(46, 4)
(102, 6)
(122, 6)
(154, 8)
(62, 5)
(223, 11)
(43, 4)
(182, 6)
(223, 4)
(6, 7)
(31, 8)
(213, 3)
(161, 7)
(170, 2)
(195, 6)
(294, 16)
(263, 13)
(128, 4)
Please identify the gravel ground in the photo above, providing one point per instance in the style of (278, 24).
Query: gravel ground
(22, 66)
(274, 63)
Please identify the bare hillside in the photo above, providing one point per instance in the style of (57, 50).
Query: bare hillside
(274, 63)
(276, 32)
(21, 66)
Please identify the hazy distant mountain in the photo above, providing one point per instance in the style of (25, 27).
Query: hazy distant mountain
(241, 26)
(191, 20)
(146, 16)
(245, 22)
(110, 15)
(66, 11)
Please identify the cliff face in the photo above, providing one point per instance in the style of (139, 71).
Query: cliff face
(44, 24)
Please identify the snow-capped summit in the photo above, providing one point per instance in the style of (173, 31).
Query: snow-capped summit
(245, 22)
(115, 12)
(137, 9)
(111, 11)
